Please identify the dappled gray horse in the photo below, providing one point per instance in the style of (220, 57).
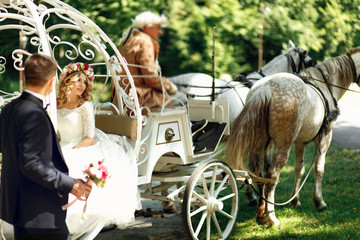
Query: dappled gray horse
(283, 109)
(198, 85)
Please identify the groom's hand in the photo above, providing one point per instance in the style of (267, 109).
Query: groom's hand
(81, 189)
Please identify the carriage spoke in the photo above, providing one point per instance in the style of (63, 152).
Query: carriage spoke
(227, 197)
(220, 187)
(203, 208)
(216, 224)
(226, 214)
(213, 179)
(208, 221)
(206, 191)
(201, 222)
(201, 198)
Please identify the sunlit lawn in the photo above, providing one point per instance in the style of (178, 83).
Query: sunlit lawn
(341, 192)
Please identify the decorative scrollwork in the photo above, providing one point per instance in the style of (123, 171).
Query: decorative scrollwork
(2, 64)
(35, 41)
(42, 8)
(3, 10)
(88, 54)
(18, 6)
(143, 153)
(70, 54)
(116, 67)
(73, 36)
(18, 55)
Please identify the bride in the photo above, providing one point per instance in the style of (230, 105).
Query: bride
(82, 143)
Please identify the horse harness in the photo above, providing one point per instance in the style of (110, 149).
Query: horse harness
(333, 114)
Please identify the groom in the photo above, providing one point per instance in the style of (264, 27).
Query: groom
(34, 178)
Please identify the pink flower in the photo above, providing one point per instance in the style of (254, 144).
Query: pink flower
(97, 172)
(78, 66)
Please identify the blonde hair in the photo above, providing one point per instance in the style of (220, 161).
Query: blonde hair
(64, 88)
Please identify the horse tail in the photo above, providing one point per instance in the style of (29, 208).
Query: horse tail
(249, 133)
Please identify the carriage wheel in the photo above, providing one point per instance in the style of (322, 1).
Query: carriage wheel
(210, 203)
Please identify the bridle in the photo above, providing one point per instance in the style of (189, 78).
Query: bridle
(302, 63)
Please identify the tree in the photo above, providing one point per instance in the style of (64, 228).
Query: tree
(324, 28)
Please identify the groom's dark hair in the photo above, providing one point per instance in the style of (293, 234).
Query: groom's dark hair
(39, 69)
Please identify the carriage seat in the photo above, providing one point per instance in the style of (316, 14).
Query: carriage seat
(116, 124)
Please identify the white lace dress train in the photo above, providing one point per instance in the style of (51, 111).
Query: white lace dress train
(118, 200)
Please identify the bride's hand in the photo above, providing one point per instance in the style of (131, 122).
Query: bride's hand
(86, 142)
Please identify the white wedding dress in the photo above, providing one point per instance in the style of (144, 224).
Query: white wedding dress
(118, 200)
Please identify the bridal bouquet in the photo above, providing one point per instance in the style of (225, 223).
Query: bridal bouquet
(97, 172)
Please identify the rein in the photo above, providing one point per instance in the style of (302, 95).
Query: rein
(245, 81)
(333, 85)
(228, 87)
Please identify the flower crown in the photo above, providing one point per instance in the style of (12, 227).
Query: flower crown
(75, 67)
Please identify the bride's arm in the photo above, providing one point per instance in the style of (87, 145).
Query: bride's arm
(88, 117)
(87, 141)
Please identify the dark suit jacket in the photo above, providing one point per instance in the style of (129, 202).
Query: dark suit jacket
(34, 177)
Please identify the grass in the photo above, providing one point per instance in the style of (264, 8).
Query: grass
(341, 186)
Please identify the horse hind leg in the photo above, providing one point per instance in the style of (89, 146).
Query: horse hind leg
(298, 172)
(280, 157)
(263, 162)
(319, 172)
(261, 217)
(251, 199)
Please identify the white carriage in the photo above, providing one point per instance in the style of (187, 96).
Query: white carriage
(205, 186)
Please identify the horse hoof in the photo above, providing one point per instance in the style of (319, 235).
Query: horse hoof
(267, 221)
(296, 204)
(322, 208)
(277, 226)
(263, 221)
(275, 223)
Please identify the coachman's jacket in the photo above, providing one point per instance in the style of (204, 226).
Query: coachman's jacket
(141, 49)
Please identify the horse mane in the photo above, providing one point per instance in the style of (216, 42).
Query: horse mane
(337, 65)
(352, 51)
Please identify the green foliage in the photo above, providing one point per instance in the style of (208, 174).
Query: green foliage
(325, 28)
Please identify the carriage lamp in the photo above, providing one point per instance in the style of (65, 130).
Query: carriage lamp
(23, 41)
(169, 134)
